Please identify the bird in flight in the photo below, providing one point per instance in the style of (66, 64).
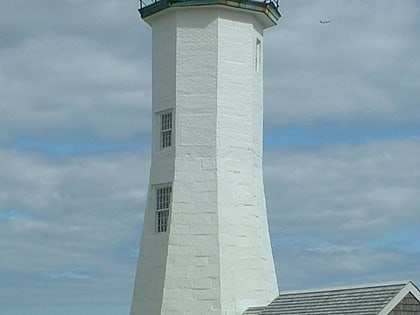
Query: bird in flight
(325, 22)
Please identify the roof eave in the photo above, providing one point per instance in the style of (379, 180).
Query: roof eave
(409, 288)
(269, 12)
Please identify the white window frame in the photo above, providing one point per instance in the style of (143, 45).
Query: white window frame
(166, 123)
(163, 200)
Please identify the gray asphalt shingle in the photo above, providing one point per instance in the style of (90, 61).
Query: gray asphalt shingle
(369, 300)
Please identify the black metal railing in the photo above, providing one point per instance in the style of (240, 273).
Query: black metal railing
(146, 3)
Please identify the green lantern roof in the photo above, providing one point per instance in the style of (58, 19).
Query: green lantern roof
(269, 8)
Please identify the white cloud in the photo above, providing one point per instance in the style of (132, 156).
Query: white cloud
(299, 268)
(81, 75)
(345, 192)
(76, 219)
(345, 214)
(365, 64)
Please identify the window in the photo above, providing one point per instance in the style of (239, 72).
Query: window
(165, 130)
(258, 56)
(163, 202)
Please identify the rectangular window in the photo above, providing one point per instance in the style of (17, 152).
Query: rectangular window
(163, 202)
(258, 56)
(166, 130)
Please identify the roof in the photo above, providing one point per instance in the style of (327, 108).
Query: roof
(254, 310)
(267, 9)
(375, 299)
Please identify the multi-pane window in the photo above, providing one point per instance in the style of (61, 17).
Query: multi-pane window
(163, 202)
(166, 130)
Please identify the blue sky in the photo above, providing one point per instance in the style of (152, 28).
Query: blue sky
(341, 163)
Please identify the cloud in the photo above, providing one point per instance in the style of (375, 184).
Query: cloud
(72, 78)
(345, 192)
(345, 214)
(300, 268)
(75, 219)
(363, 65)
(81, 75)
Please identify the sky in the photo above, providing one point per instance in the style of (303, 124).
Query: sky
(341, 156)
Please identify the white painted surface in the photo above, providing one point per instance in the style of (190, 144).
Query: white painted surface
(216, 257)
(409, 288)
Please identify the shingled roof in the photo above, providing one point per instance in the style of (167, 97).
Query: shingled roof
(254, 310)
(378, 299)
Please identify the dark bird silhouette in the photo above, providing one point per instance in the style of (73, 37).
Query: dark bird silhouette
(324, 22)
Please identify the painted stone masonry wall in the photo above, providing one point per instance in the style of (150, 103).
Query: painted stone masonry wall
(215, 258)
(247, 267)
(151, 271)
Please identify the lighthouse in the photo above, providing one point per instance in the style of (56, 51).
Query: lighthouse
(205, 247)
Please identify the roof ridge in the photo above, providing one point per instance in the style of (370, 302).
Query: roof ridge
(343, 288)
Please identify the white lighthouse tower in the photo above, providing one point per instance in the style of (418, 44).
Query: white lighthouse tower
(205, 248)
